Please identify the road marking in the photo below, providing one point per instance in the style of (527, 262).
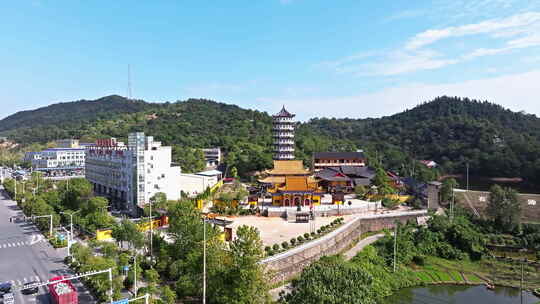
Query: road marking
(19, 282)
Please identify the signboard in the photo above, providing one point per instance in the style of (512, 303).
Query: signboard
(123, 301)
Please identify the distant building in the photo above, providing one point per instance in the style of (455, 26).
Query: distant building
(66, 160)
(323, 160)
(429, 163)
(283, 134)
(212, 157)
(130, 175)
(67, 143)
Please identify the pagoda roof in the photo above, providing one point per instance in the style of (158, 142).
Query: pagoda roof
(283, 113)
(288, 167)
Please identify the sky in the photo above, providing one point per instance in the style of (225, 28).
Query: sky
(319, 58)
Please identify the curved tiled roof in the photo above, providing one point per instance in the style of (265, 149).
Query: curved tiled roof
(283, 113)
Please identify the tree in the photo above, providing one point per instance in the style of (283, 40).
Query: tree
(243, 276)
(332, 280)
(129, 232)
(167, 295)
(447, 189)
(504, 208)
(360, 191)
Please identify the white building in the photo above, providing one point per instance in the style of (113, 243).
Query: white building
(131, 175)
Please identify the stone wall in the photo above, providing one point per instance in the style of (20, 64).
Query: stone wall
(530, 203)
(290, 263)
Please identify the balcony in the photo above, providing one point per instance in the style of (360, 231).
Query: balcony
(283, 127)
(283, 142)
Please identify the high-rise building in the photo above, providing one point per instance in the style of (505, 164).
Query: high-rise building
(130, 175)
(283, 134)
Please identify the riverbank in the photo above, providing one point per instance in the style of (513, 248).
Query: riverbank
(465, 272)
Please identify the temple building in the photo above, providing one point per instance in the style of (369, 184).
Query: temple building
(283, 134)
(290, 184)
(323, 160)
(344, 178)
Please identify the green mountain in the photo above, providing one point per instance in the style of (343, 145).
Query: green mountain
(452, 131)
(74, 112)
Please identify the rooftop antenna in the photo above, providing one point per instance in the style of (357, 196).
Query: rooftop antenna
(129, 83)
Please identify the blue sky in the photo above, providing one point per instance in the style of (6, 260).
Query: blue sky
(318, 57)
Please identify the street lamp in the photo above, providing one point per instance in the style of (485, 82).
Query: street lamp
(70, 228)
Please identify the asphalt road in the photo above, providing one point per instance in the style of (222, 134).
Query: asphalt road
(25, 256)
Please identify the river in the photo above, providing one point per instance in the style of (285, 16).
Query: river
(460, 294)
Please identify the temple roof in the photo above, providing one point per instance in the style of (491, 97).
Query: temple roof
(273, 180)
(288, 167)
(296, 183)
(283, 113)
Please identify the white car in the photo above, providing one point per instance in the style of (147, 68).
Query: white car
(8, 298)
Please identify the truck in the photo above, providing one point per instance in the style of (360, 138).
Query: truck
(62, 291)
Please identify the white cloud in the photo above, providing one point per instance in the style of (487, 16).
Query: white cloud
(515, 32)
(515, 23)
(517, 92)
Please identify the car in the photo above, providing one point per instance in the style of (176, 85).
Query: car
(30, 288)
(5, 288)
(8, 298)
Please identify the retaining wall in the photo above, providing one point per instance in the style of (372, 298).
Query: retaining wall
(290, 263)
(530, 203)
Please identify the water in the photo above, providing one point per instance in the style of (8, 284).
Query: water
(484, 183)
(459, 294)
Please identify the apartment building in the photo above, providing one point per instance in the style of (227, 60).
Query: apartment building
(130, 175)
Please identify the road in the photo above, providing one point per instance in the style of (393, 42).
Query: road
(25, 256)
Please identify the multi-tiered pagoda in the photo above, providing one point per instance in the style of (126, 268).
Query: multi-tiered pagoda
(283, 133)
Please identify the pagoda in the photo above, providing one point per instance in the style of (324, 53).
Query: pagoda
(283, 134)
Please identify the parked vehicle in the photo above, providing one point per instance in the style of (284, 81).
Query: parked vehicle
(5, 288)
(29, 288)
(8, 298)
(63, 292)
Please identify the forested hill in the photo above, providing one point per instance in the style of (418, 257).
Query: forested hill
(452, 131)
(74, 112)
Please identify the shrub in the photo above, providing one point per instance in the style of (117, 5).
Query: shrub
(300, 239)
(270, 253)
(267, 248)
(323, 228)
(319, 231)
(313, 234)
(306, 236)
(419, 260)
(293, 241)
(275, 247)
(285, 245)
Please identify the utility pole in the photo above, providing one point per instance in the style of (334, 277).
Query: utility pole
(204, 260)
(151, 230)
(452, 206)
(467, 176)
(521, 284)
(395, 245)
(15, 180)
(135, 273)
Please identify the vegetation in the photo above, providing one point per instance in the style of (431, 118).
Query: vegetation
(504, 208)
(446, 250)
(452, 131)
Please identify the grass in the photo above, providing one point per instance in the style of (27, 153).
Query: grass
(424, 277)
(471, 277)
(456, 275)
